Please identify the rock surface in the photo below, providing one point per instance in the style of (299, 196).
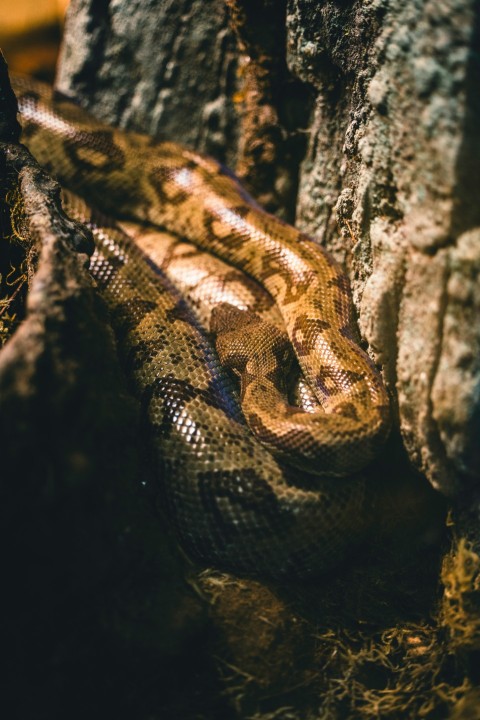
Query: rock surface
(387, 167)
(163, 68)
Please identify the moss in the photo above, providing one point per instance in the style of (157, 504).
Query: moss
(460, 611)
(14, 247)
(380, 638)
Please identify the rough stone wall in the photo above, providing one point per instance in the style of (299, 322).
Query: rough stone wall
(164, 68)
(387, 182)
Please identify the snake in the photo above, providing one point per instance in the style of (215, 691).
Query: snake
(216, 305)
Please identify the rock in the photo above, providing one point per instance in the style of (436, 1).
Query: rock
(166, 69)
(394, 129)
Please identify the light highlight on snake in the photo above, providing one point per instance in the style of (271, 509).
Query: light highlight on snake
(265, 500)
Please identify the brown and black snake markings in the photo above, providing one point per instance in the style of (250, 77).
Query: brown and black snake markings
(289, 499)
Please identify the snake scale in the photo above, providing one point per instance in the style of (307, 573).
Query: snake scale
(252, 481)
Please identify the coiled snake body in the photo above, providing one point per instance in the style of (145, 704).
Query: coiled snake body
(269, 498)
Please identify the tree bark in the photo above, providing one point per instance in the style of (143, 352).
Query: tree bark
(89, 577)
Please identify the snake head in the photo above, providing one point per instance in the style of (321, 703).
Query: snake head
(250, 346)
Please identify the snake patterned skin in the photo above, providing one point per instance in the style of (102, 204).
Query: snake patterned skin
(205, 282)
(235, 497)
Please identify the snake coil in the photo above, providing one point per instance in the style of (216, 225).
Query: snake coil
(283, 495)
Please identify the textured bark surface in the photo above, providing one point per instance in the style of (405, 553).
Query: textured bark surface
(89, 578)
(388, 179)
